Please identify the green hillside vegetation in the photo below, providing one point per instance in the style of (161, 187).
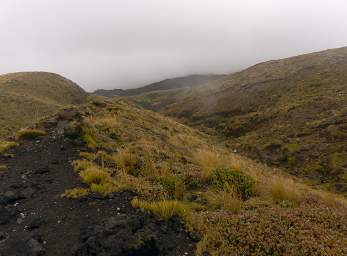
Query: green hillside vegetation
(290, 113)
(228, 203)
(26, 97)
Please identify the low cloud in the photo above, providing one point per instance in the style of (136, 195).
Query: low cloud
(123, 44)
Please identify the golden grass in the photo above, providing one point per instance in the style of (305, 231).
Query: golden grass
(81, 165)
(29, 134)
(284, 189)
(88, 156)
(226, 199)
(7, 145)
(125, 160)
(331, 199)
(165, 209)
(94, 175)
(210, 158)
(75, 193)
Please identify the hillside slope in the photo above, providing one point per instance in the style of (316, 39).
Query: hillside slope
(168, 84)
(143, 184)
(289, 112)
(28, 96)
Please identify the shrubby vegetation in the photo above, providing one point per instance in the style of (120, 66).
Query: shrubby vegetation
(236, 205)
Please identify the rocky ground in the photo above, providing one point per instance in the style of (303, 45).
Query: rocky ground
(36, 220)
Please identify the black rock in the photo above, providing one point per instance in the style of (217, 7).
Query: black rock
(10, 197)
(35, 223)
(3, 237)
(5, 215)
(36, 247)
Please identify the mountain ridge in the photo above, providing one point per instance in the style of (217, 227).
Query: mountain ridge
(166, 84)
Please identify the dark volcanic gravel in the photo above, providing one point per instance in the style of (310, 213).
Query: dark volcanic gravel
(35, 220)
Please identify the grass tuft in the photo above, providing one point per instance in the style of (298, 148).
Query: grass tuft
(29, 134)
(94, 175)
(226, 199)
(7, 145)
(75, 193)
(166, 209)
(284, 190)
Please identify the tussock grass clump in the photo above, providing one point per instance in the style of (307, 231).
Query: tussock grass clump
(126, 161)
(226, 199)
(107, 187)
(284, 190)
(90, 141)
(81, 165)
(7, 145)
(29, 134)
(75, 193)
(242, 183)
(94, 175)
(208, 160)
(89, 156)
(174, 185)
(165, 209)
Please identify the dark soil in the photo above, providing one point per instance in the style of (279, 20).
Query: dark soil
(36, 220)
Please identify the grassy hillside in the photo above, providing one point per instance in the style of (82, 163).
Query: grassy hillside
(229, 204)
(28, 96)
(289, 112)
(168, 84)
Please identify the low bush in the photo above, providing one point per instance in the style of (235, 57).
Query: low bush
(304, 230)
(242, 183)
(29, 134)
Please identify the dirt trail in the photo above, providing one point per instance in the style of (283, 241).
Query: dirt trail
(35, 220)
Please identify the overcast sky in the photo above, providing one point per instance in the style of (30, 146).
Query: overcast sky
(128, 43)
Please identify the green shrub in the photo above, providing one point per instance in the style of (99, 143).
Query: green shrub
(242, 183)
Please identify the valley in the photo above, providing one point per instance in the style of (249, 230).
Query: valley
(251, 163)
(287, 113)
